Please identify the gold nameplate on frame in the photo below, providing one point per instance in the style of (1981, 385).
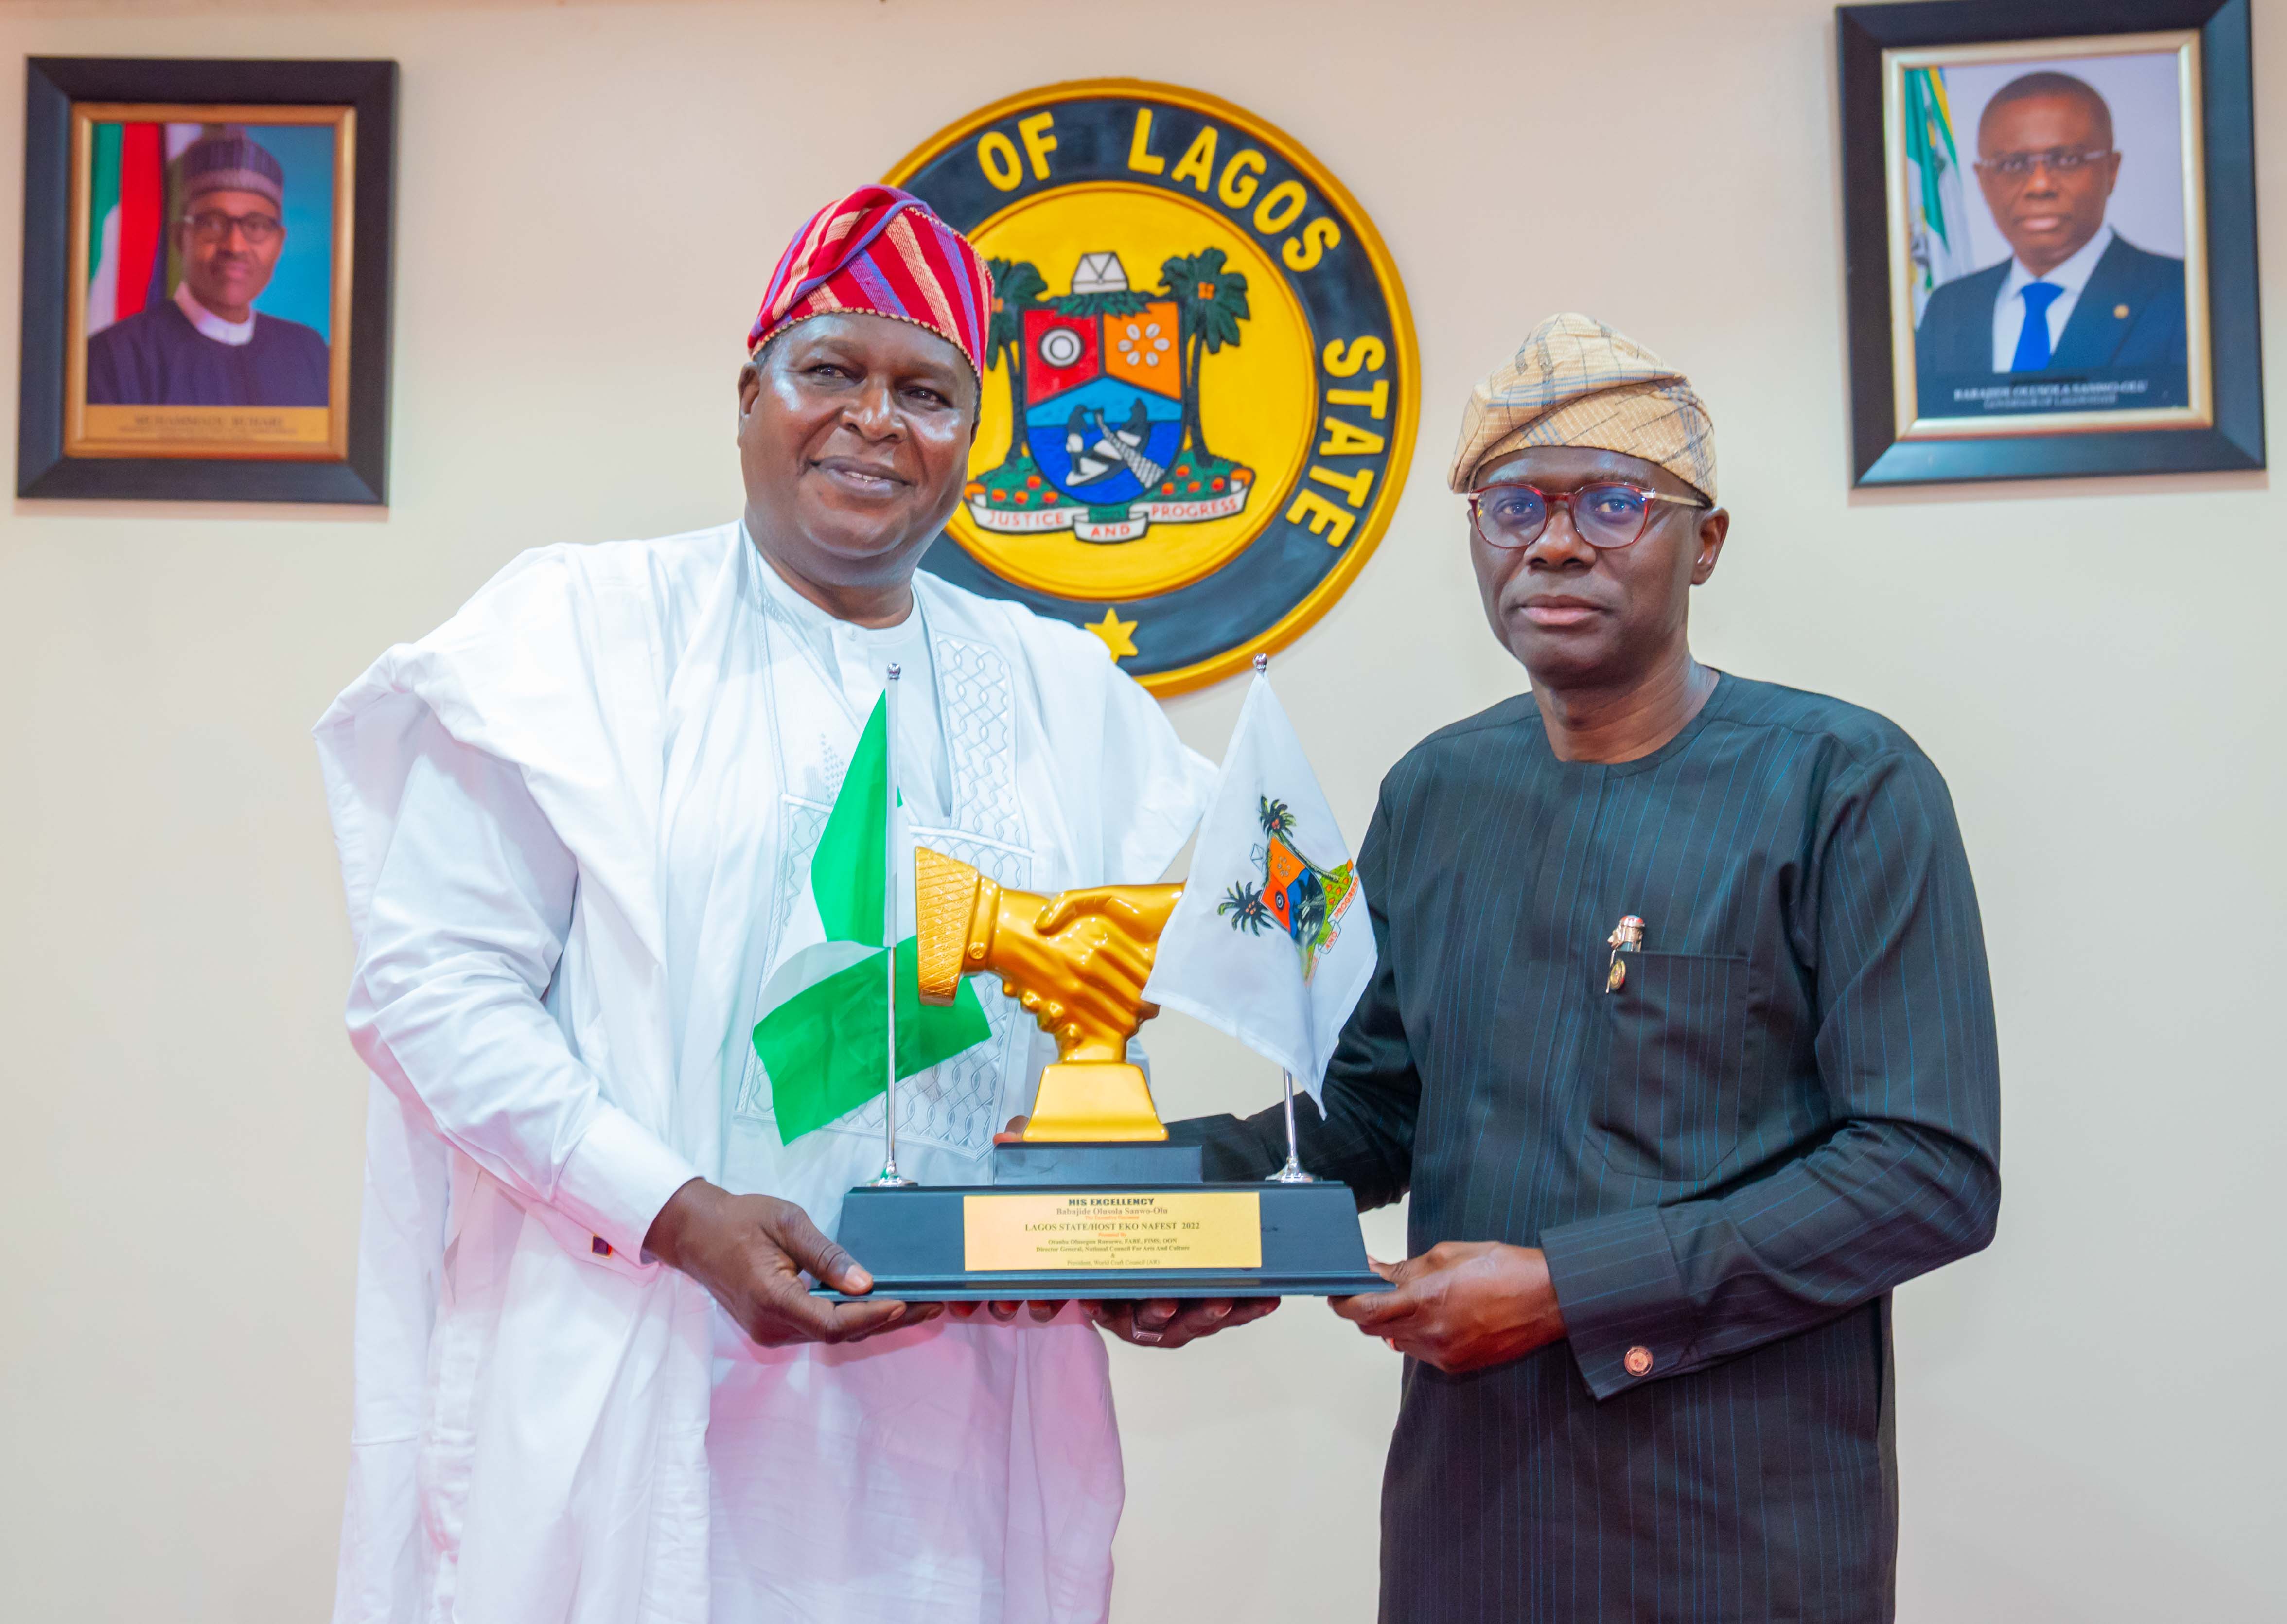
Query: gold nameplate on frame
(1167, 1229)
(220, 431)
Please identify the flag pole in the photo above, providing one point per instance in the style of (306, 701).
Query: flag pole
(1292, 1173)
(889, 1179)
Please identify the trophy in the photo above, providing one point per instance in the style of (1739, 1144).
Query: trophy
(1090, 1201)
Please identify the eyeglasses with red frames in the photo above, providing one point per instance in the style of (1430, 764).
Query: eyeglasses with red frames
(1610, 513)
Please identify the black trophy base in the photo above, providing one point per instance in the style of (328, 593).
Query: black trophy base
(1176, 1166)
(914, 1242)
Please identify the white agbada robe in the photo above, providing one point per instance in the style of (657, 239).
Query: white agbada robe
(575, 825)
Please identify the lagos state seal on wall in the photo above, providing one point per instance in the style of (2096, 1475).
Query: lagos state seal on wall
(1201, 385)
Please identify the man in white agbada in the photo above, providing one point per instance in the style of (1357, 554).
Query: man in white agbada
(575, 824)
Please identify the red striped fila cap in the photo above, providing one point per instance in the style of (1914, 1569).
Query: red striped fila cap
(881, 252)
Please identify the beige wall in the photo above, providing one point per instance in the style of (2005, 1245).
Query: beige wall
(2089, 1414)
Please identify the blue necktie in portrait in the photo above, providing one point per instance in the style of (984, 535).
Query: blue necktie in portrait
(2033, 340)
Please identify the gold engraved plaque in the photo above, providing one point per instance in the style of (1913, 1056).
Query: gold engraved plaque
(1114, 1229)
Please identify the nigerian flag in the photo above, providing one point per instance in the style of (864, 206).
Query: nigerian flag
(126, 223)
(824, 1030)
(1937, 208)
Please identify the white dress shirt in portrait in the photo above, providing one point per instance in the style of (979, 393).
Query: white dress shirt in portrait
(2072, 276)
(213, 326)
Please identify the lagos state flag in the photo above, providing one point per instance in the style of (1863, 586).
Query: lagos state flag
(126, 249)
(1270, 942)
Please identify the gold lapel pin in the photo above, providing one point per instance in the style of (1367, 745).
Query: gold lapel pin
(1627, 937)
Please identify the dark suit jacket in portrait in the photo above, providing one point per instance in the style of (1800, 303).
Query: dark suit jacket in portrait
(157, 358)
(2128, 325)
(1790, 1105)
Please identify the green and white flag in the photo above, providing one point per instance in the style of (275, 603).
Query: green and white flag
(824, 1032)
(127, 214)
(1937, 208)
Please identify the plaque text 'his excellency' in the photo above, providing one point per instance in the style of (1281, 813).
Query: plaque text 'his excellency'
(1196, 1229)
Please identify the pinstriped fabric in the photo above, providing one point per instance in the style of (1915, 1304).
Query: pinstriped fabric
(880, 250)
(1791, 1107)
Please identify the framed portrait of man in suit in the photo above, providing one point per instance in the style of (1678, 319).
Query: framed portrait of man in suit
(206, 288)
(2051, 234)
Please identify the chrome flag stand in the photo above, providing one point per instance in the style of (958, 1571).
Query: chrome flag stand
(889, 1179)
(1292, 1173)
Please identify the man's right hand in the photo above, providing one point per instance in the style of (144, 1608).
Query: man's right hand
(749, 1251)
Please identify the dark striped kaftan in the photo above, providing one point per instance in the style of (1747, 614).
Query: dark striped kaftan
(1789, 1106)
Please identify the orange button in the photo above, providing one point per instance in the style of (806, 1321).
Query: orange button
(1638, 1360)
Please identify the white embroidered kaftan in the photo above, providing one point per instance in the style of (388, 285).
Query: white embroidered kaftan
(574, 824)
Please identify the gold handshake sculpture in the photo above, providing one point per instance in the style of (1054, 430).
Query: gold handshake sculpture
(1077, 961)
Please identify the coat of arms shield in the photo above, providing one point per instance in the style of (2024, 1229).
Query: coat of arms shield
(1104, 407)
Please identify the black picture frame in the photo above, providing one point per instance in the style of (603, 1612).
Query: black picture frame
(2233, 440)
(53, 85)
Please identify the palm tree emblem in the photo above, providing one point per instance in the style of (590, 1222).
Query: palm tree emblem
(1017, 287)
(1294, 894)
(1247, 910)
(1210, 303)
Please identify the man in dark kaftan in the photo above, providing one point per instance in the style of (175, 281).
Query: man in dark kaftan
(1683, 1042)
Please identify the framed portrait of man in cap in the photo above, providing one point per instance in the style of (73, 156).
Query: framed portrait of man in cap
(2051, 238)
(206, 252)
